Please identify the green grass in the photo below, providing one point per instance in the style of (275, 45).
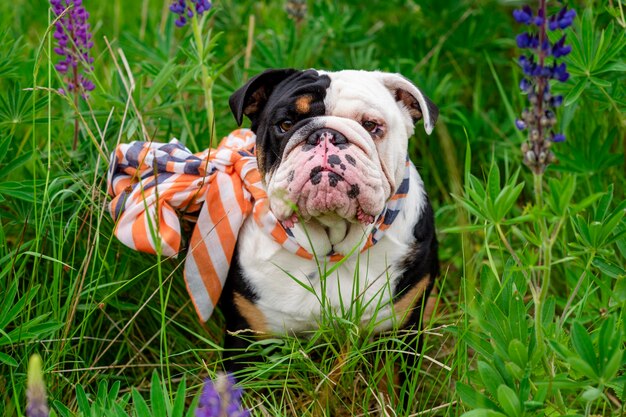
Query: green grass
(113, 325)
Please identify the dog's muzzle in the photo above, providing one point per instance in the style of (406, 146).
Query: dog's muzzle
(330, 170)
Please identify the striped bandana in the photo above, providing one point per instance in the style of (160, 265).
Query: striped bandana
(155, 185)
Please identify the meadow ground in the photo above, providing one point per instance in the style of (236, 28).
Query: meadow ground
(529, 317)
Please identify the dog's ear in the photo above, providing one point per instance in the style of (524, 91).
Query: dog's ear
(250, 99)
(411, 98)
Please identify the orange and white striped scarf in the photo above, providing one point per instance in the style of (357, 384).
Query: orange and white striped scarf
(154, 185)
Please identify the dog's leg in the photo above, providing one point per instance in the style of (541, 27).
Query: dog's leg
(244, 321)
(412, 294)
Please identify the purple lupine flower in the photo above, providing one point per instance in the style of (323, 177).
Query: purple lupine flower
(185, 10)
(221, 398)
(72, 32)
(540, 66)
(523, 15)
(36, 401)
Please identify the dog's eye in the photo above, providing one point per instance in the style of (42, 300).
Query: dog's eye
(285, 125)
(370, 126)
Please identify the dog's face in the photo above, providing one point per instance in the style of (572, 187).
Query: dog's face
(331, 145)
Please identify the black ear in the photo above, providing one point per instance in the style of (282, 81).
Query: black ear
(252, 97)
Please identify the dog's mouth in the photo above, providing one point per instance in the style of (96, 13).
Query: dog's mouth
(327, 174)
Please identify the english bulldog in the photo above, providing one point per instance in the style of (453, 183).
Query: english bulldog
(332, 151)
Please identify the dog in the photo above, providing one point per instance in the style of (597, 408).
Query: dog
(331, 149)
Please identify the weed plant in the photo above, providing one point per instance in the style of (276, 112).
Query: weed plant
(529, 317)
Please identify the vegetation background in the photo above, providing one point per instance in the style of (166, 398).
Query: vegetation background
(115, 328)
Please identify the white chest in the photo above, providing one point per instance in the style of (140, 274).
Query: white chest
(295, 293)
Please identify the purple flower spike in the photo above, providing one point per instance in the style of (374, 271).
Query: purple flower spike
(220, 398)
(186, 9)
(72, 32)
(37, 403)
(540, 65)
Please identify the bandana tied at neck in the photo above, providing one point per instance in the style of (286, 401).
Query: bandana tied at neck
(156, 185)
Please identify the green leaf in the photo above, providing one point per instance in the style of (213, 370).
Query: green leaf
(141, 408)
(619, 290)
(15, 164)
(493, 181)
(473, 398)
(613, 365)
(583, 367)
(583, 345)
(62, 409)
(509, 401)
(603, 205)
(482, 412)
(518, 352)
(114, 391)
(83, 402)
(157, 398)
(6, 359)
(591, 394)
(575, 92)
(609, 268)
(514, 369)
(490, 377)
(178, 410)
(159, 82)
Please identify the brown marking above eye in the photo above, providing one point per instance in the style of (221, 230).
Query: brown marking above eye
(303, 104)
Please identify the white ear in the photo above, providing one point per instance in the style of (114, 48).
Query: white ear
(411, 98)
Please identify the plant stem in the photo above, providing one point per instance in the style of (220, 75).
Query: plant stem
(511, 251)
(546, 260)
(576, 289)
(206, 79)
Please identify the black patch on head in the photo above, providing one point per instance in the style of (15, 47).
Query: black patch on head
(354, 191)
(270, 98)
(291, 175)
(334, 160)
(351, 160)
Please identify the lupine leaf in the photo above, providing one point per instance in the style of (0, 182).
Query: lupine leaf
(572, 96)
(157, 399)
(83, 402)
(490, 377)
(473, 398)
(509, 401)
(178, 408)
(483, 412)
(141, 408)
(493, 182)
(582, 344)
(611, 269)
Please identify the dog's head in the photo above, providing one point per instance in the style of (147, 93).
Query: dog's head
(331, 144)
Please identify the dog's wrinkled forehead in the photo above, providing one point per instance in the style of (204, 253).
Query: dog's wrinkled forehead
(282, 101)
